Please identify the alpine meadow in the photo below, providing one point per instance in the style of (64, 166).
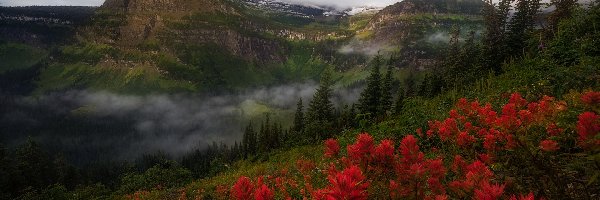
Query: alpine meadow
(299, 99)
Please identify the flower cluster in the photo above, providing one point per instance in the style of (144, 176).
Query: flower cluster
(456, 163)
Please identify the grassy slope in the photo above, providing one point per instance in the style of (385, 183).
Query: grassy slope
(15, 56)
(531, 77)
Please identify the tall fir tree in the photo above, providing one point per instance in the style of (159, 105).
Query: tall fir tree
(321, 107)
(386, 91)
(252, 141)
(370, 98)
(399, 102)
(521, 25)
(494, 36)
(320, 112)
(563, 10)
(299, 118)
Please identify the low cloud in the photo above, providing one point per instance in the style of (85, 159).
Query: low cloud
(119, 126)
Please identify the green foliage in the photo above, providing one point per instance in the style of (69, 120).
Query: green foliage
(15, 56)
(157, 176)
(299, 118)
(370, 98)
(320, 110)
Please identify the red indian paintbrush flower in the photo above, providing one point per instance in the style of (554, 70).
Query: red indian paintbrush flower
(587, 126)
(242, 189)
(489, 192)
(263, 193)
(591, 98)
(349, 184)
(332, 148)
(549, 145)
(361, 150)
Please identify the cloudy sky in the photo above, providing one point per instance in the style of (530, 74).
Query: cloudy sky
(333, 3)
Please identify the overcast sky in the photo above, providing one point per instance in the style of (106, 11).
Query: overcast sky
(333, 3)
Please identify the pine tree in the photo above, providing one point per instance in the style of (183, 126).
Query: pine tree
(410, 84)
(494, 47)
(320, 112)
(34, 166)
(6, 171)
(245, 142)
(399, 102)
(563, 10)
(299, 118)
(251, 140)
(321, 108)
(386, 91)
(521, 23)
(370, 98)
(424, 87)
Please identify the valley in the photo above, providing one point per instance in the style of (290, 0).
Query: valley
(261, 99)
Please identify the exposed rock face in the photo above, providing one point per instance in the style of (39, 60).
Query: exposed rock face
(391, 14)
(145, 20)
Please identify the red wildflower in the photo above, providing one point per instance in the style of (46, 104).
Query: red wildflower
(587, 126)
(242, 189)
(485, 158)
(553, 130)
(489, 192)
(458, 164)
(477, 171)
(349, 184)
(489, 142)
(526, 116)
(384, 153)
(362, 148)
(454, 114)
(263, 193)
(591, 98)
(464, 139)
(436, 167)
(516, 99)
(523, 197)
(332, 148)
(410, 150)
(549, 145)
(463, 104)
(305, 165)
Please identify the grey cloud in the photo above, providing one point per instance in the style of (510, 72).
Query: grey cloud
(171, 123)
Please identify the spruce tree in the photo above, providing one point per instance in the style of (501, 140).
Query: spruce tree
(494, 36)
(299, 117)
(521, 24)
(251, 140)
(321, 108)
(386, 91)
(370, 98)
(320, 111)
(399, 102)
(563, 10)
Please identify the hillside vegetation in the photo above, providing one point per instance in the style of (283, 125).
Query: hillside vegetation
(509, 113)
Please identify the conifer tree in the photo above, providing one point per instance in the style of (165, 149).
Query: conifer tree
(251, 140)
(386, 91)
(563, 10)
(410, 84)
(370, 98)
(34, 166)
(321, 108)
(320, 111)
(399, 102)
(424, 87)
(494, 37)
(6, 171)
(299, 118)
(522, 23)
